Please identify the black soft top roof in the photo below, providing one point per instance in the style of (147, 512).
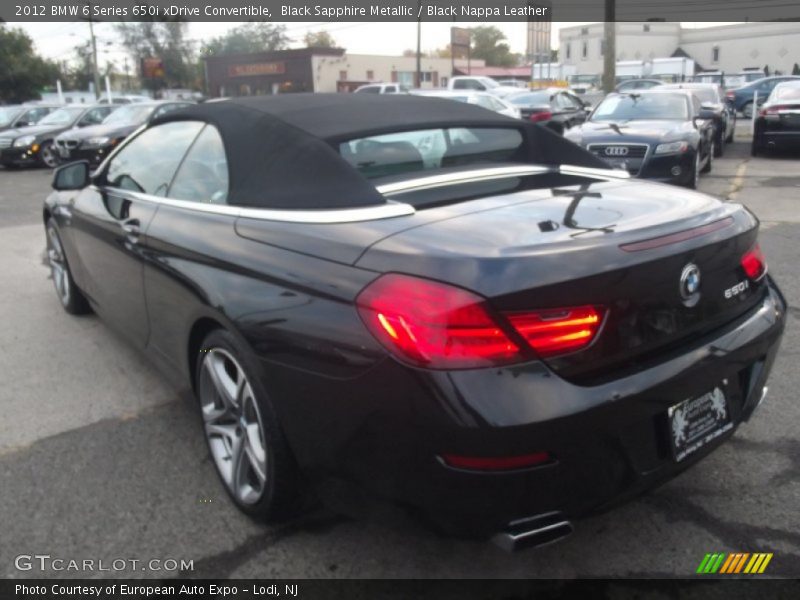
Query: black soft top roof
(283, 150)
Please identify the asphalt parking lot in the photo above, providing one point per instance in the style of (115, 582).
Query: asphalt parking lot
(101, 459)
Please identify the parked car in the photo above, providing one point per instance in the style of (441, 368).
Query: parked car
(477, 83)
(482, 99)
(34, 145)
(556, 108)
(778, 122)
(523, 85)
(16, 116)
(631, 85)
(742, 98)
(502, 333)
(712, 100)
(94, 143)
(665, 136)
(381, 88)
(125, 99)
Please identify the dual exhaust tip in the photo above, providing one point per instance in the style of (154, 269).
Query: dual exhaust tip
(533, 531)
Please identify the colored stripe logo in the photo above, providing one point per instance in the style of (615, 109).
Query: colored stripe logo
(734, 563)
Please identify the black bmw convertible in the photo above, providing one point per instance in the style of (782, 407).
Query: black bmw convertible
(409, 299)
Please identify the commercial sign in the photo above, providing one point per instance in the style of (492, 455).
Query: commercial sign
(253, 69)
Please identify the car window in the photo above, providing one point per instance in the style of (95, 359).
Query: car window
(496, 104)
(62, 117)
(414, 151)
(484, 102)
(203, 174)
(34, 115)
(527, 99)
(787, 93)
(95, 115)
(130, 114)
(167, 108)
(373, 89)
(148, 163)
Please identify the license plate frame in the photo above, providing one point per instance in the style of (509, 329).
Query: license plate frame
(696, 421)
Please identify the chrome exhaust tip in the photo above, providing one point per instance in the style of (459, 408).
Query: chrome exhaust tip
(532, 532)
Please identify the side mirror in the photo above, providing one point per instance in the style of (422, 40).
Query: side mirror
(706, 112)
(74, 176)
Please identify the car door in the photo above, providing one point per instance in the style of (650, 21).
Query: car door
(191, 223)
(110, 220)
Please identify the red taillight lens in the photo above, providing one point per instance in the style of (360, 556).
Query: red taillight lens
(558, 331)
(754, 264)
(541, 116)
(496, 463)
(730, 94)
(434, 325)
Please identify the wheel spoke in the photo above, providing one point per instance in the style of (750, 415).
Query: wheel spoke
(227, 388)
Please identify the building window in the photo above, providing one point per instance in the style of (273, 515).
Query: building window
(426, 76)
(569, 51)
(646, 28)
(715, 54)
(370, 75)
(342, 75)
(584, 31)
(585, 50)
(443, 82)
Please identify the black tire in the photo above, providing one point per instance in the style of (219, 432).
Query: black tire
(72, 299)
(693, 173)
(278, 498)
(745, 107)
(729, 139)
(712, 152)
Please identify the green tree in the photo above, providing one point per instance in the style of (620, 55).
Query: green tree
(250, 37)
(23, 73)
(488, 44)
(319, 39)
(164, 40)
(796, 69)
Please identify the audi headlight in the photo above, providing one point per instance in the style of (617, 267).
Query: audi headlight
(98, 141)
(672, 148)
(24, 141)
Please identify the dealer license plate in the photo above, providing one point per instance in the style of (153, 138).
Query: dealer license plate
(693, 423)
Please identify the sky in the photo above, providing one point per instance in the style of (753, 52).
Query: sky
(56, 40)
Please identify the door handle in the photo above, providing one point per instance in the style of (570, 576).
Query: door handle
(131, 227)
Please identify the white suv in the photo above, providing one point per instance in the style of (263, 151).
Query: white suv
(381, 88)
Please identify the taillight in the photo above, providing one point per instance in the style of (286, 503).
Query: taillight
(730, 94)
(773, 110)
(541, 116)
(558, 331)
(754, 264)
(434, 325)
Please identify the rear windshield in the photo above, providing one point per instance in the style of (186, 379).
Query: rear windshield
(787, 93)
(423, 150)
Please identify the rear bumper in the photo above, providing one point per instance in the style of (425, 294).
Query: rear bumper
(385, 430)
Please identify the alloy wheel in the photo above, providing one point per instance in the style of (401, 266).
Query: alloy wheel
(58, 266)
(233, 425)
(48, 156)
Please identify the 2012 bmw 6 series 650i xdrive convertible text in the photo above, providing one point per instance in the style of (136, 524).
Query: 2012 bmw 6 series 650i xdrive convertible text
(458, 311)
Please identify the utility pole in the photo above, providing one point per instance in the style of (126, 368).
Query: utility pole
(418, 77)
(610, 53)
(94, 55)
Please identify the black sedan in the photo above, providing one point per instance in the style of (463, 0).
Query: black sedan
(555, 108)
(778, 122)
(95, 142)
(662, 135)
(34, 145)
(16, 116)
(713, 105)
(444, 307)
